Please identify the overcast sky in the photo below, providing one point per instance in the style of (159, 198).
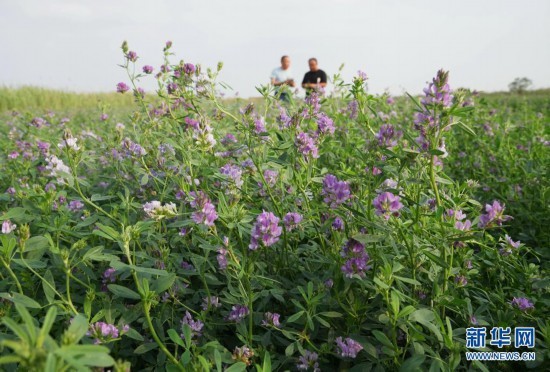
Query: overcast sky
(75, 44)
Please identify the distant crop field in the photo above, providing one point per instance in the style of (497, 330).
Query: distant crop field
(341, 232)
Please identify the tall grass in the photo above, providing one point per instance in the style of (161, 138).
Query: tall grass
(29, 98)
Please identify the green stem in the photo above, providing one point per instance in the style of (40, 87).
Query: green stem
(12, 274)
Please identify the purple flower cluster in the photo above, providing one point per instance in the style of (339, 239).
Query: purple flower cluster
(212, 301)
(122, 87)
(308, 360)
(387, 136)
(387, 204)
(75, 205)
(494, 216)
(271, 319)
(348, 347)
(292, 220)
(108, 276)
(461, 280)
(237, 313)
(325, 124)
(222, 258)
(307, 146)
(195, 325)
(243, 354)
(335, 192)
(265, 231)
(205, 211)
(104, 332)
(438, 92)
(522, 303)
(338, 224)
(131, 148)
(508, 246)
(234, 173)
(356, 259)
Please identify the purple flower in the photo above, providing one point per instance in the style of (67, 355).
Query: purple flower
(522, 303)
(195, 325)
(338, 224)
(49, 187)
(109, 276)
(132, 56)
(222, 258)
(438, 91)
(307, 146)
(348, 347)
(192, 123)
(361, 75)
(494, 216)
(271, 319)
(473, 320)
(387, 204)
(75, 205)
(212, 301)
(356, 259)
(187, 266)
(265, 231)
(461, 280)
(205, 211)
(189, 68)
(103, 117)
(353, 109)
(508, 246)
(325, 124)
(291, 220)
(171, 87)
(122, 87)
(243, 354)
(308, 360)
(335, 192)
(234, 173)
(259, 125)
(329, 283)
(237, 313)
(387, 136)
(147, 69)
(103, 332)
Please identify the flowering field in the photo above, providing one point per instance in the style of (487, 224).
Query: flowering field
(341, 232)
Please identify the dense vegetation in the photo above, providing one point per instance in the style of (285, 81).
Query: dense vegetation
(345, 231)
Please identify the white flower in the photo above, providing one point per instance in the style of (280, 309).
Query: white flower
(157, 211)
(69, 142)
(58, 168)
(8, 227)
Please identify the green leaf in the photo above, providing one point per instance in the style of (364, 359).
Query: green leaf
(123, 292)
(47, 283)
(413, 363)
(295, 317)
(18, 298)
(163, 283)
(366, 238)
(142, 349)
(380, 336)
(175, 337)
(46, 326)
(330, 314)
(36, 243)
(267, 362)
(422, 316)
(78, 327)
(438, 260)
(14, 213)
(237, 367)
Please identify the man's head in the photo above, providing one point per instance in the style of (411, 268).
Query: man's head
(313, 64)
(285, 62)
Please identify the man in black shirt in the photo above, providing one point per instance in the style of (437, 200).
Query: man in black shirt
(314, 78)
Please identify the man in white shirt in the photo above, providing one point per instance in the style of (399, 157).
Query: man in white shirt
(281, 77)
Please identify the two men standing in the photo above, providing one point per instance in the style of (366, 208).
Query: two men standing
(282, 78)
